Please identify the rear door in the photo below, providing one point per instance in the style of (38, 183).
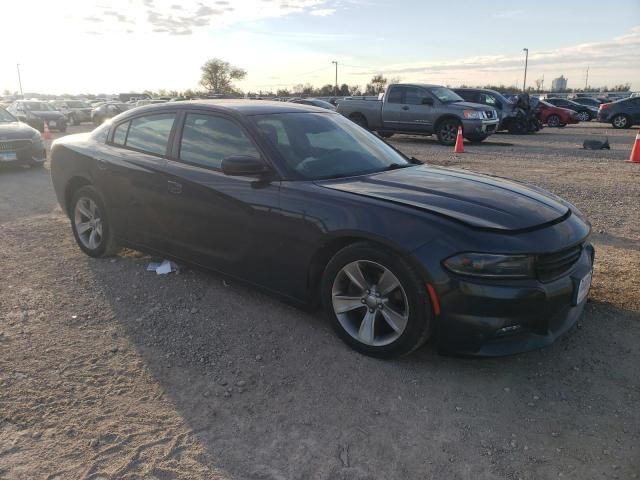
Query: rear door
(219, 221)
(130, 173)
(404, 110)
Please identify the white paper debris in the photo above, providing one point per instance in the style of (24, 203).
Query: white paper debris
(162, 268)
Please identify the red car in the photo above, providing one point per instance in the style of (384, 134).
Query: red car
(553, 116)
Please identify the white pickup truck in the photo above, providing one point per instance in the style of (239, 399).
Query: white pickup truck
(421, 109)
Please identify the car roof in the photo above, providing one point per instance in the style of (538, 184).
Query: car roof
(423, 85)
(243, 107)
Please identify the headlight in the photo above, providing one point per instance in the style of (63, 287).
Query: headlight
(36, 138)
(473, 114)
(491, 265)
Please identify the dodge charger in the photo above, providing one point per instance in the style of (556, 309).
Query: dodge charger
(303, 203)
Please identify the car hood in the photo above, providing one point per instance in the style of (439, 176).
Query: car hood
(479, 201)
(470, 106)
(15, 130)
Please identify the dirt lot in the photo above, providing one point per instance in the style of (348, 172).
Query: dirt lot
(108, 371)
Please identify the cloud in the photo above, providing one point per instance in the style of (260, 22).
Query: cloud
(323, 12)
(618, 54)
(180, 18)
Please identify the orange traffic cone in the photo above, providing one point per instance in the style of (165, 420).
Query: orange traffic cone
(459, 148)
(635, 151)
(46, 134)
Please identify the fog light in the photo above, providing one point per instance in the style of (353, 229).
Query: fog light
(508, 330)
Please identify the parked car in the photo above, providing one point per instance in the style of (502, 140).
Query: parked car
(314, 102)
(511, 117)
(76, 111)
(148, 101)
(584, 112)
(421, 109)
(20, 144)
(621, 113)
(553, 116)
(36, 112)
(307, 205)
(590, 101)
(107, 110)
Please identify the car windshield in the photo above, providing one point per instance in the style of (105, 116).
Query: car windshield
(318, 146)
(6, 116)
(37, 106)
(445, 95)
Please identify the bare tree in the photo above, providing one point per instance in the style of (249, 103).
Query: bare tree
(218, 76)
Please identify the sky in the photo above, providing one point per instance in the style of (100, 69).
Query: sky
(111, 46)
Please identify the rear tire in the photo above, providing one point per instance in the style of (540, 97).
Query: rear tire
(359, 120)
(90, 224)
(447, 131)
(376, 301)
(620, 121)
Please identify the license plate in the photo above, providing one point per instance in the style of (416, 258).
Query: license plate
(583, 288)
(8, 156)
(52, 123)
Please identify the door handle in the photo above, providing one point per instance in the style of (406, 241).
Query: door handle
(405, 108)
(174, 187)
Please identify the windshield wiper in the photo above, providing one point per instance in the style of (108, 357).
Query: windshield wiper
(396, 166)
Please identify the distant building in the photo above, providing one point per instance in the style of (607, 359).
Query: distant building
(559, 84)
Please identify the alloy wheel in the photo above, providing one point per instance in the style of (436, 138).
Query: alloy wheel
(553, 121)
(449, 132)
(620, 121)
(583, 116)
(370, 303)
(88, 223)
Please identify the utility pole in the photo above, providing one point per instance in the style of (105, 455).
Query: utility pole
(335, 91)
(586, 80)
(20, 81)
(542, 86)
(526, 61)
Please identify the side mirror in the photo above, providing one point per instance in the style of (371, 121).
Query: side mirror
(244, 166)
(427, 101)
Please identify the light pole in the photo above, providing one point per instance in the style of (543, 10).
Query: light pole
(335, 90)
(526, 61)
(20, 81)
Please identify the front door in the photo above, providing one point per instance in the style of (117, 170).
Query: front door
(219, 221)
(405, 111)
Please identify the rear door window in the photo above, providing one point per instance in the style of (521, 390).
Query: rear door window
(150, 133)
(396, 95)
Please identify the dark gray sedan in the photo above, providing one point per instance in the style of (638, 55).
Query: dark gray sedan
(20, 144)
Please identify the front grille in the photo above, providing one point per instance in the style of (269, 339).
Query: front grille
(14, 145)
(553, 265)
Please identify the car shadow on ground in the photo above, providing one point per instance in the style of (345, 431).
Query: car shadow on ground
(275, 394)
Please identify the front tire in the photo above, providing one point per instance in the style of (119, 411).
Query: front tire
(478, 139)
(584, 116)
(620, 121)
(447, 130)
(90, 224)
(553, 121)
(376, 301)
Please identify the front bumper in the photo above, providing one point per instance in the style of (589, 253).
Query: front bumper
(22, 152)
(491, 318)
(479, 128)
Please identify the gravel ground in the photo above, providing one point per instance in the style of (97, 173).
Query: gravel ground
(110, 372)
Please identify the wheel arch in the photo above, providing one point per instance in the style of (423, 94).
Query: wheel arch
(71, 187)
(333, 245)
(447, 116)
